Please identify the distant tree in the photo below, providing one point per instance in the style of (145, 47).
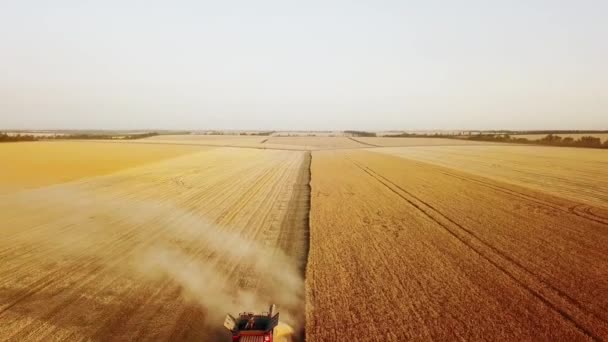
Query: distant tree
(589, 141)
(360, 133)
(568, 141)
(551, 139)
(140, 136)
(18, 137)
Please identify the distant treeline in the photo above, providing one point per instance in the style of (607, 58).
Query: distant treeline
(554, 132)
(81, 136)
(550, 139)
(17, 137)
(85, 136)
(263, 134)
(360, 133)
(413, 135)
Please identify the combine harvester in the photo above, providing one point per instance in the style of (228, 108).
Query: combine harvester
(250, 327)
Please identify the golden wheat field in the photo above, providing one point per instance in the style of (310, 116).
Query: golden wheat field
(157, 252)
(38, 164)
(354, 239)
(212, 140)
(316, 143)
(416, 141)
(300, 143)
(403, 250)
(577, 173)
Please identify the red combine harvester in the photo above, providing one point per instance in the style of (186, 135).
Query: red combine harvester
(250, 327)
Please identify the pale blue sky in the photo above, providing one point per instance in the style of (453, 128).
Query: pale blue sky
(304, 64)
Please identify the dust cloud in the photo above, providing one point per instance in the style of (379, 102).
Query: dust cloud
(221, 269)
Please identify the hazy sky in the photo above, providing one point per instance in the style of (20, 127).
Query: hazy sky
(304, 64)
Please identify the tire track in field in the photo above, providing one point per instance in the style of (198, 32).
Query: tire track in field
(584, 213)
(545, 292)
(363, 143)
(574, 301)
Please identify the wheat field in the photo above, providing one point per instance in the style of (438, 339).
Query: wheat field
(402, 250)
(157, 239)
(392, 142)
(37, 164)
(579, 174)
(157, 252)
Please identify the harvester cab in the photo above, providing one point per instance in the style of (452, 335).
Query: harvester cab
(251, 327)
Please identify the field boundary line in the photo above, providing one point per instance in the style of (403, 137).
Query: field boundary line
(363, 143)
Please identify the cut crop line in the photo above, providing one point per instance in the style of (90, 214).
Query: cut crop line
(534, 292)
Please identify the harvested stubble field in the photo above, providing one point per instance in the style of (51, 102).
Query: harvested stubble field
(158, 239)
(405, 250)
(218, 140)
(158, 252)
(416, 141)
(298, 143)
(35, 164)
(317, 143)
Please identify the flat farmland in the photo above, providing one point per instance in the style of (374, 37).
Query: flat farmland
(403, 250)
(157, 239)
(34, 164)
(257, 142)
(388, 142)
(298, 143)
(218, 140)
(316, 143)
(576, 173)
(157, 252)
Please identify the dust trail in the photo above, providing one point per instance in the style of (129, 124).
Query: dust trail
(216, 267)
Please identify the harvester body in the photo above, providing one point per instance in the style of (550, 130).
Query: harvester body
(251, 327)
